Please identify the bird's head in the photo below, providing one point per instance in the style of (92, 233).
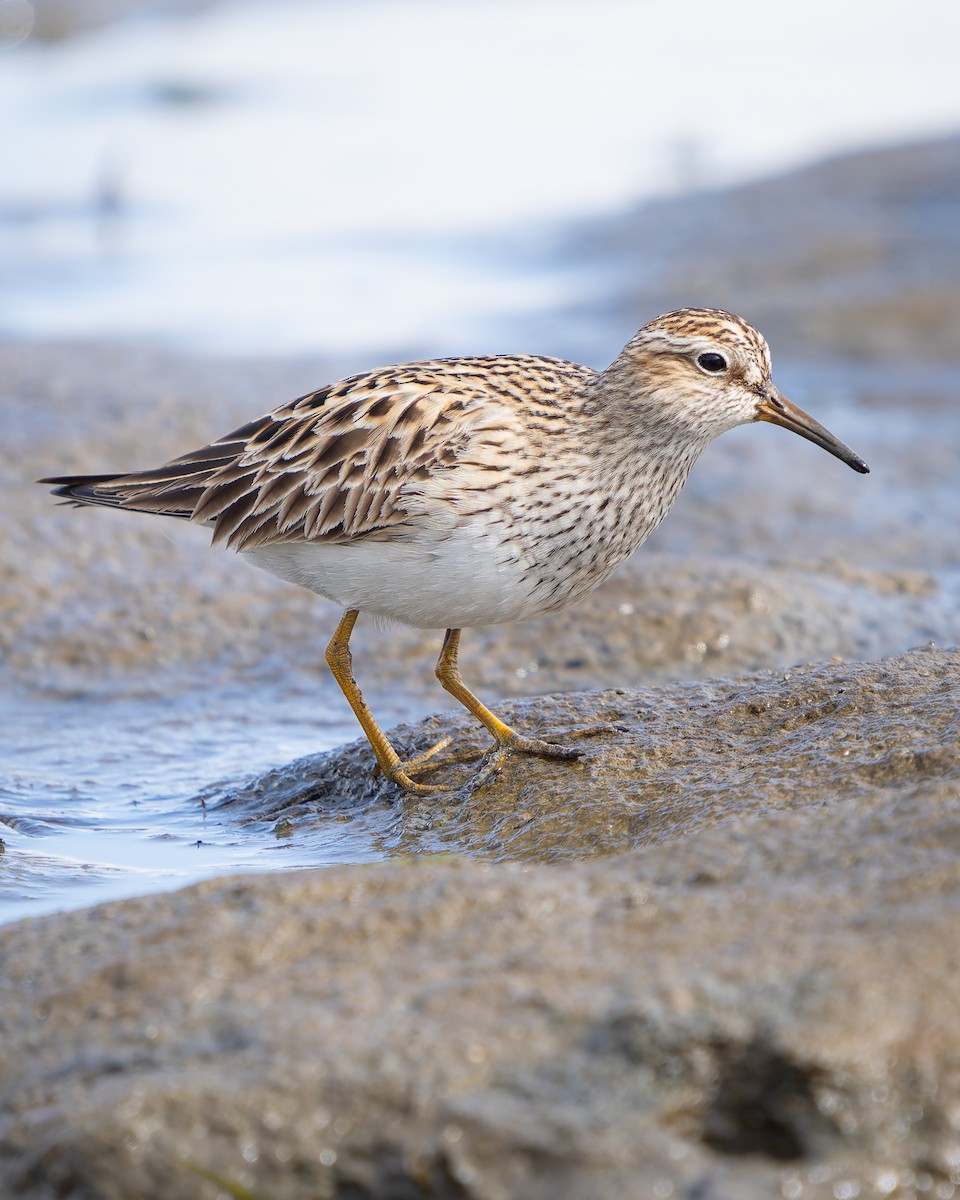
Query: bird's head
(706, 371)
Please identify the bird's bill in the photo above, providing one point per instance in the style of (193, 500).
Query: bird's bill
(778, 410)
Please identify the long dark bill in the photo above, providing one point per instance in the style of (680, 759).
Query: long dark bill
(778, 410)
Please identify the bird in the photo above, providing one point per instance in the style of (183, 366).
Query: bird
(462, 492)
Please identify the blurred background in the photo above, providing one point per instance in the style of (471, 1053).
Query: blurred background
(209, 208)
(371, 178)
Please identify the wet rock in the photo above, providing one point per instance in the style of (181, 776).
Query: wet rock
(669, 761)
(755, 996)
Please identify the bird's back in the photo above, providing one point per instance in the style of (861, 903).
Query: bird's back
(344, 461)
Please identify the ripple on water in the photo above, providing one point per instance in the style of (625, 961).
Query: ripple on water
(106, 798)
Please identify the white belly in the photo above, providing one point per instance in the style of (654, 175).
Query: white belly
(460, 580)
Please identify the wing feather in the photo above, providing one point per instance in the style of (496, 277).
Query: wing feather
(346, 461)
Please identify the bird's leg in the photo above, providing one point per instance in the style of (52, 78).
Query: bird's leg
(340, 662)
(448, 672)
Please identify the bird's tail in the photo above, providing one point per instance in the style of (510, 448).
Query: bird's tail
(173, 490)
(87, 489)
(166, 491)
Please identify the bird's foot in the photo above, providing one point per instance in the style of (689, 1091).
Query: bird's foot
(397, 775)
(601, 729)
(426, 760)
(515, 744)
(404, 773)
(502, 749)
(523, 745)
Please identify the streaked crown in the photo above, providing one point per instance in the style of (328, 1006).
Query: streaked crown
(693, 331)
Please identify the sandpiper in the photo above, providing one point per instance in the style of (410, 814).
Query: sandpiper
(469, 491)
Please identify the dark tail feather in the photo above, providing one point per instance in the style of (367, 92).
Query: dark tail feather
(86, 489)
(172, 490)
(124, 491)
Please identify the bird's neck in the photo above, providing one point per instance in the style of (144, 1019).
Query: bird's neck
(631, 415)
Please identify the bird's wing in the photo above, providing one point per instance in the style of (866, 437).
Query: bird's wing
(335, 464)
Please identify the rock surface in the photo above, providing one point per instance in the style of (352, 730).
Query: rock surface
(757, 998)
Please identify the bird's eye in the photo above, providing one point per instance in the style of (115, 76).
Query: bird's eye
(713, 363)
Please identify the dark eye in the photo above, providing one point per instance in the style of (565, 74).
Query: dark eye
(714, 363)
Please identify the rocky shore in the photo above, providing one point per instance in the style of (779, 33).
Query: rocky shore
(739, 981)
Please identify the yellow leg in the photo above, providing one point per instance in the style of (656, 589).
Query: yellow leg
(340, 662)
(448, 672)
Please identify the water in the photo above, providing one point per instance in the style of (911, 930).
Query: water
(119, 796)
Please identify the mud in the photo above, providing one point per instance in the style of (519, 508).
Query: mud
(757, 999)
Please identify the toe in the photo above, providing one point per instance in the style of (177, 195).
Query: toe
(400, 777)
(543, 749)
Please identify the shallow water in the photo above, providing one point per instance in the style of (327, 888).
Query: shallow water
(110, 797)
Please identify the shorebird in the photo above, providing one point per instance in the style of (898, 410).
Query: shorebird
(469, 491)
